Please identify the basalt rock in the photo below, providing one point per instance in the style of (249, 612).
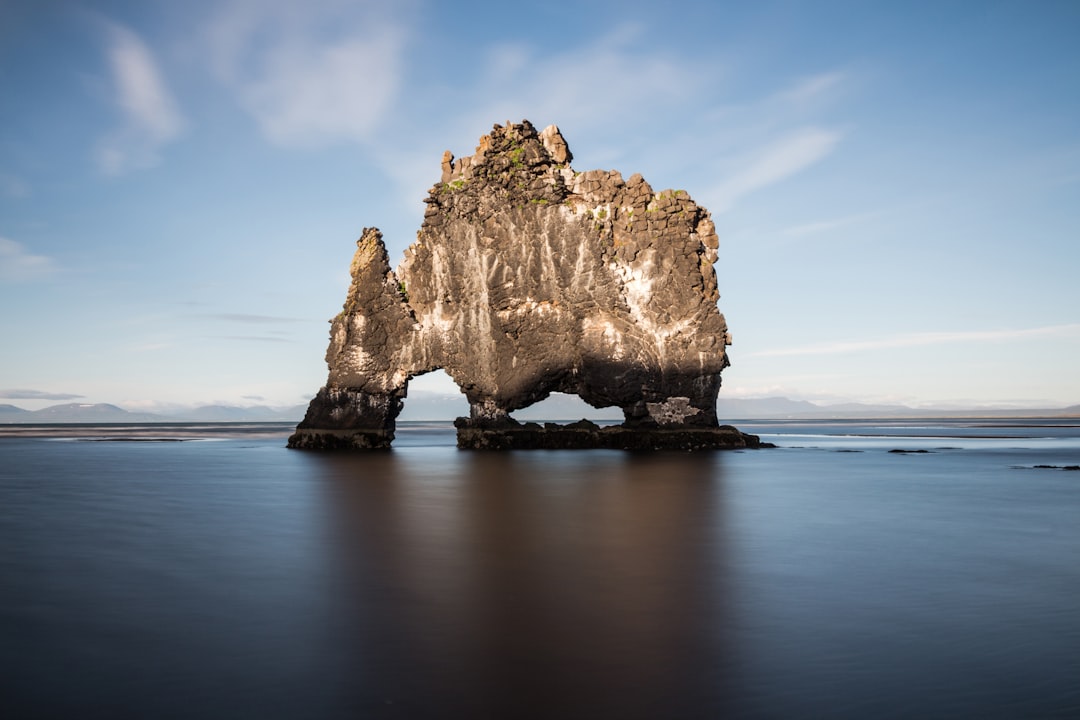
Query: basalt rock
(529, 278)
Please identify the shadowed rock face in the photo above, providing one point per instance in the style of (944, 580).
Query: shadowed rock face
(529, 278)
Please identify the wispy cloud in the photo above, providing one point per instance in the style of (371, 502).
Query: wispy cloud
(151, 118)
(151, 346)
(255, 324)
(22, 394)
(679, 105)
(251, 319)
(13, 187)
(19, 264)
(777, 161)
(820, 226)
(256, 338)
(588, 85)
(811, 89)
(920, 339)
(310, 76)
(586, 88)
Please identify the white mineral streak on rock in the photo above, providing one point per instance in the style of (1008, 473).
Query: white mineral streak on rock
(637, 283)
(601, 333)
(400, 377)
(673, 411)
(441, 317)
(476, 327)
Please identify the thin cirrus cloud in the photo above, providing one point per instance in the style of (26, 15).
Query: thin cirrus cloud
(314, 96)
(778, 161)
(13, 187)
(306, 86)
(250, 318)
(821, 226)
(920, 339)
(256, 338)
(254, 320)
(520, 77)
(811, 89)
(254, 323)
(22, 394)
(150, 119)
(19, 264)
(600, 82)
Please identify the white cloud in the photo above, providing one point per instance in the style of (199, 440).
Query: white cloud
(16, 263)
(603, 94)
(598, 84)
(920, 339)
(332, 72)
(310, 76)
(778, 161)
(151, 118)
(23, 394)
(811, 89)
(820, 226)
(13, 187)
(610, 86)
(335, 93)
(253, 319)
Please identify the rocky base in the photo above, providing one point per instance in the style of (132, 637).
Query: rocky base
(584, 435)
(314, 439)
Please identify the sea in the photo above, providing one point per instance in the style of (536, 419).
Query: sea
(861, 569)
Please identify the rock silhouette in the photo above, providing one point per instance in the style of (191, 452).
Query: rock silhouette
(529, 278)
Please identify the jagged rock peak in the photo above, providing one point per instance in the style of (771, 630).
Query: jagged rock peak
(527, 278)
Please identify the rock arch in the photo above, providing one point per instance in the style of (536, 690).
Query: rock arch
(529, 278)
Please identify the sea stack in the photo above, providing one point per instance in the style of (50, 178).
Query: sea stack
(527, 278)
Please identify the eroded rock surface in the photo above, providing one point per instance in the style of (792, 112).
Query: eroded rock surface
(529, 278)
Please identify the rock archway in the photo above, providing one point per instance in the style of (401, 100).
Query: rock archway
(529, 278)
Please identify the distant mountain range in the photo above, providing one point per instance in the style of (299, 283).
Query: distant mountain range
(74, 413)
(780, 408)
(105, 413)
(434, 406)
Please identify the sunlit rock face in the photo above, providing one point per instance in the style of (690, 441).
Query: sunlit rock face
(527, 278)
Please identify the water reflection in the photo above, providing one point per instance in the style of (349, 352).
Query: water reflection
(237, 579)
(500, 586)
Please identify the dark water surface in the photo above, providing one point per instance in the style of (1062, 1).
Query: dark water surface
(227, 577)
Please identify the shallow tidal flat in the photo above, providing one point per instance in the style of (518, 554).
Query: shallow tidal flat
(226, 576)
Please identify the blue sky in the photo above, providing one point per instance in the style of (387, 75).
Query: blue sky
(896, 186)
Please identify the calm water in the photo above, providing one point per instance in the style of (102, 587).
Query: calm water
(227, 577)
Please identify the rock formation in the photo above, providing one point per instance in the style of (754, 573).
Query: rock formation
(529, 278)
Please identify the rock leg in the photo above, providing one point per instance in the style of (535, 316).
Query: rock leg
(348, 419)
